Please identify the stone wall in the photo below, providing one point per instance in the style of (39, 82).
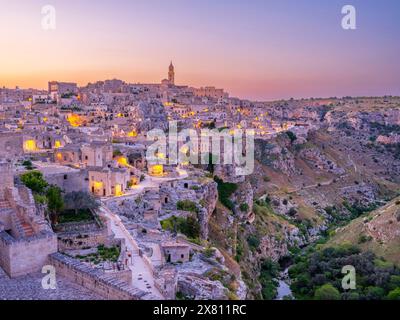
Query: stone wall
(11, 145)
(5, 218)
(105, 285)
(123, 275)
(69, 181)
(79, 241)
(167, 282)
(7, 177)
(23, 256)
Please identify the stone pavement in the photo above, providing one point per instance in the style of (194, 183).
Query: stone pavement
(142, 273)
(30, 288)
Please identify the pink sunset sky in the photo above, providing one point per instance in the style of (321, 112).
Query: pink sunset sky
(256, 49)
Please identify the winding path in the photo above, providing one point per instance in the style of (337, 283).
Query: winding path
(140, 265)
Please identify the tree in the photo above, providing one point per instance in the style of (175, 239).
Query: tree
(55, 202)
(187, 205)
(327, 292)
(268, 273)
(291, 136)
(394, 282)
(34, 180)
(253, 242)
(79, 200)
(375, 293)
(117, 153)
(394, 294)
(244, 207)
(191, 227)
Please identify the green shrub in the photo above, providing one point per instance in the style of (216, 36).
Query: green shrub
(28, 165)
(394, 282)
(317, 274)
(291, 136)
(268, 274)
(363, 239)
(55, 201)
(225, 191)
(117, 153)
(82, 215)
(189, 226)
(40, 199)
(34, 180)
(209, 252)
(327, 292)
(253, 242)
(187, 205)
(244, 207)
(394, 294)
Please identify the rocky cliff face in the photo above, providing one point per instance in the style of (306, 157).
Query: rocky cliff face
(336, 167)
(360, 119)
(275, 155)
(227, 173)
(320, 161)
(200, 288)
(243, 199)
(208, 195)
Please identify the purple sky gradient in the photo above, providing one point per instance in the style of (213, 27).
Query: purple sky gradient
(258, 49)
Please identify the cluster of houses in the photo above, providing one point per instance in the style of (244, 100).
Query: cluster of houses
(94, 139)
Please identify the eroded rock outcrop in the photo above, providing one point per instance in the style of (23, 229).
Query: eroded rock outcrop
(201, 288)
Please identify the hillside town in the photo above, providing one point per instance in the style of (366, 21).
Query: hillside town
(80, 194)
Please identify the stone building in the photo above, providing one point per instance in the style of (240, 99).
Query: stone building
(66, 178)
(26, 239)
(69, 155)
(108, 181)
(95, 154)
(175, 252)
(36, 141)
(11, 145)
(62, 88)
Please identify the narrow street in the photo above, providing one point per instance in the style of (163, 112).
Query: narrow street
(142, 273)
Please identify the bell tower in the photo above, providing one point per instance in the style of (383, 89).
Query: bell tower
(171, 74)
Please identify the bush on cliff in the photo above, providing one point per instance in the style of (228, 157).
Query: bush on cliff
(225, 191)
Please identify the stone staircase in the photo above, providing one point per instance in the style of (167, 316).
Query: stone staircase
(5, 207)
(24, 229)
(27, 229)
(4, 204)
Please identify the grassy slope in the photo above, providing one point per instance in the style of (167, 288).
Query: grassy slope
(378, 231)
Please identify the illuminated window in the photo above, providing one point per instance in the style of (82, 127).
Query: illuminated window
(118, 190)
(30, 145)
(132, 134)
(123, 161)
(75, 120)
(97, 185)
(157, 170)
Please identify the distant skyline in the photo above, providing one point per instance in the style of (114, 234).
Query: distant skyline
(259, 49)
